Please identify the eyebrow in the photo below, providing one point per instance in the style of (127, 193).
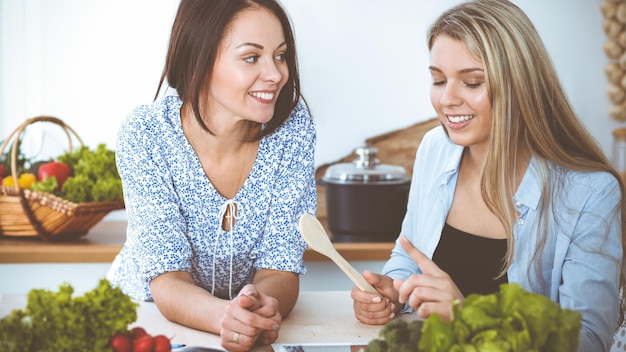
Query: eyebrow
(258, 46)
(465, 70)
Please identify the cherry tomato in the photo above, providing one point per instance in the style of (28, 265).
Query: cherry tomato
(120, 343)
(138, 332)
(162, 344)
(143, 343)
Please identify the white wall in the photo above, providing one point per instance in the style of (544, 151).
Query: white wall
(363, 63)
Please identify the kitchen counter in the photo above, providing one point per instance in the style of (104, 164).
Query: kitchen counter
(321, 317)
(105, 240)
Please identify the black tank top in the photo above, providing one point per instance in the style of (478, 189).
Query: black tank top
(472, 262)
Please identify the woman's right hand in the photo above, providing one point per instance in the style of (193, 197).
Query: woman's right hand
(373, 309)
(248, 317)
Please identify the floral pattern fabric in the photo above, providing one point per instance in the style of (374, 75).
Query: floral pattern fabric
(173, 211)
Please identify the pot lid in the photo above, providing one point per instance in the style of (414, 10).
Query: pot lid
(365, 168)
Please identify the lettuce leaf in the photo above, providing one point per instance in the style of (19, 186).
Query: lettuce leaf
(512, 319)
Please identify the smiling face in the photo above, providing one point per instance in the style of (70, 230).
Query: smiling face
(459, 93)
(250, 68)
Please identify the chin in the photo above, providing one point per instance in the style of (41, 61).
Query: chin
(263, 118)
(459, 140)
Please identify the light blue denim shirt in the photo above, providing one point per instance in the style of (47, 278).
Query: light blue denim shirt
(582, 258)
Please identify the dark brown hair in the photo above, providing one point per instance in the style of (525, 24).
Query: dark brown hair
(197, 31)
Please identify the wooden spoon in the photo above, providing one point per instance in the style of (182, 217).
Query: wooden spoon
(314, 234)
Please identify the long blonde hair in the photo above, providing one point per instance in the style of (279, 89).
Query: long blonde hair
(534, 116)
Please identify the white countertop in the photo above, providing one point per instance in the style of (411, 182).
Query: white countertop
(319, 317)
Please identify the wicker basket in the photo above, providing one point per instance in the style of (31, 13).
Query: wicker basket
(25, 213)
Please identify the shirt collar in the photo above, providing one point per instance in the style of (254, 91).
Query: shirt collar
(452, 167)
(529, 190)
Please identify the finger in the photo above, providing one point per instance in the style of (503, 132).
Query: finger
(244, 321)
(267, 337)
(367, 304)
(368, 297)
(367, 315)
(374, 310)
(268, 308)
(248, 302)
(249, 298)
(408, 289)
(234, 341)
(374, 279)
(371, 313)
(373, 320)
(443, 309)
(397, 284)
(383, 284)
(426, 265)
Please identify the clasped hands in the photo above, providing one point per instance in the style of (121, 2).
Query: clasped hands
(250, 318)
(431, 292)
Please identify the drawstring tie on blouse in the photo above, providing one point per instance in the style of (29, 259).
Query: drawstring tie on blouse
(235, 211)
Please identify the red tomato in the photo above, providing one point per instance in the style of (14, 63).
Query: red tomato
(120, 343)
(54, 168)
(162, 344)
(144, 343)
(4, 171)
(138, 331)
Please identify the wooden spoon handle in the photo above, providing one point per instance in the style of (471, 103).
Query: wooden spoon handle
(352, 273)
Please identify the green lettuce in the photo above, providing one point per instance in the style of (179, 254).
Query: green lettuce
(512, 319)
(58, 321)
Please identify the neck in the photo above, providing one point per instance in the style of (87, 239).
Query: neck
(227, 137)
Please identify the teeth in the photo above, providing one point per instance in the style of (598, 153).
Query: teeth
(458, 119)
(262, 95)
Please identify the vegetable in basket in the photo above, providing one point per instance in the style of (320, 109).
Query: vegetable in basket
(25, 181)
(60, 171)
(510, 320)
(94, 176)
(4, 171)
(5, 164)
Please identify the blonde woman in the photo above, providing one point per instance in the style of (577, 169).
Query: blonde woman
(511, 187)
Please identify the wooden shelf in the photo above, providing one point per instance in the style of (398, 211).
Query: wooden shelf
(105, 240)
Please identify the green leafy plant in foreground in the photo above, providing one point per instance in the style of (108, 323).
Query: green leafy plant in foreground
(56, 321)
(512, 319)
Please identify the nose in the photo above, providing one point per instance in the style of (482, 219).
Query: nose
(450, 96)
(271, 73)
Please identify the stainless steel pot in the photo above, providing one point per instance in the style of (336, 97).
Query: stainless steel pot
(365, 200)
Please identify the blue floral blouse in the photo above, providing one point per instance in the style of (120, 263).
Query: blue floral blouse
(175, 214)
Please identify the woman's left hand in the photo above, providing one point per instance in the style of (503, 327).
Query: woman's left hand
(430, 292)
(250, 318)
(268, 309)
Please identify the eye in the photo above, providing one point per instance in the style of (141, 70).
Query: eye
(251, 59)
(473, 85)
(280, 57)
(437, 78)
